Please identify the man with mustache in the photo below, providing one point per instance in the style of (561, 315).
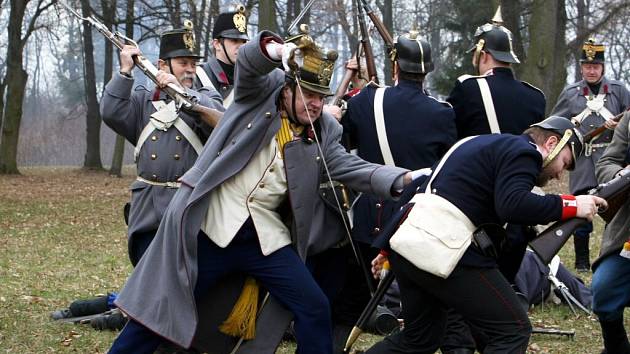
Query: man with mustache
(166, 142)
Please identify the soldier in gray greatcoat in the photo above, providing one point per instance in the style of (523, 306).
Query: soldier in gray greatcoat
(611, 270)
(228, 35)
(261, 167)
(166, 142)
(590, 103)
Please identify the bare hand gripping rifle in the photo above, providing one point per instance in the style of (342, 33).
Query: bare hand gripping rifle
(549, 242)
(182, 99)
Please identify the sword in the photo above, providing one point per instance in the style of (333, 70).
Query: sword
(299, 16)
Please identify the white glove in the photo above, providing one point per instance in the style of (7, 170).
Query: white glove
(291, 56)
(421, 172)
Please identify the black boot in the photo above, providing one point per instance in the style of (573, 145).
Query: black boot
(582, 261)
(114, 321)
(615, 338)
(82, 308)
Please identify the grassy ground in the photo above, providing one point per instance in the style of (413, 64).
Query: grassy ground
(62, 237)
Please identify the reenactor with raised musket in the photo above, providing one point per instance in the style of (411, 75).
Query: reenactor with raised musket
(590, 103)
(260, 169)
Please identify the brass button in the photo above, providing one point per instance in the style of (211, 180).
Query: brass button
(178, 137)
(251, 199)
(154, 177)
(268, 115)
(262, 185)
(154, 138)
(376, 229)
(153, 156)
(249, 126)
(176, 157)
(271, 169)
(378, 205)
(317, 158)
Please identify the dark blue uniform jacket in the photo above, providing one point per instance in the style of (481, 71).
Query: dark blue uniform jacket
(419, 128)
(490, 178)
(517, 104)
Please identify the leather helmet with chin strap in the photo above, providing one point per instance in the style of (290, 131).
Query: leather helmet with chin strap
(413, 53)
(569, 136)
(495, 39)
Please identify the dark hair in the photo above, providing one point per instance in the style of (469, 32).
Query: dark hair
(403, 75)
(540, 135)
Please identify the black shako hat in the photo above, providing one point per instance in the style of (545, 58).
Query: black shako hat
(179, 42)
(231, 25)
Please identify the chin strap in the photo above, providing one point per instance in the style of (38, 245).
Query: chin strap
(227, 55)
(563, 142)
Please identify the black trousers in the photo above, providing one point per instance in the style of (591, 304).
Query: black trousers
(481, 296)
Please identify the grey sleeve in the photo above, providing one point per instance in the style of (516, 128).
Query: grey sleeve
(253, 69)
(357, 173)
(614, 158)
(120, 109)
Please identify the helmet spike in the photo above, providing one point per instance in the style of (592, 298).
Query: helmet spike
(497, 19)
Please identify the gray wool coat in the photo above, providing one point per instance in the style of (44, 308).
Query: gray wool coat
(159, 292)
(613, 161)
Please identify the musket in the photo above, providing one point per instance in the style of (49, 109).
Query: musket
(359, 327)
(367, 47)
(550, 241)
(602, 128)
(380, 27)
(182, 99)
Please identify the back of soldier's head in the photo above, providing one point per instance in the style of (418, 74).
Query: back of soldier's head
(413, 56)
(495, 39)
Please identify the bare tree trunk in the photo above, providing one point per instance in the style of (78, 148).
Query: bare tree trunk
(109, 17)
(581, 31)
(93, 117)
(267, 16)
(16, 84)
(546, 61)
(511, 10)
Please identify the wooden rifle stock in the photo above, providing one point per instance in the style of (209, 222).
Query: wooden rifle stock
(549, 242)
(602, 128)
(380, 27)
(367, 48)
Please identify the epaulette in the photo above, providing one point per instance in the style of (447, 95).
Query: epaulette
(534, 87)
(442, 102)
(466, 77)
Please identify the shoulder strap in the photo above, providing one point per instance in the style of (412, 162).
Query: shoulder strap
(189, 134)
(486, 96)
(443, 160)
(144, 135)
(379, 119)
(204, 78)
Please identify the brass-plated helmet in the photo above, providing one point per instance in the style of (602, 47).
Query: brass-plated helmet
(317, 65)
(495, 39)
(413, 53)
(592, 53)
(179, 42)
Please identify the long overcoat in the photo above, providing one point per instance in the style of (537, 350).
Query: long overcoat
(159, 292)
(615, 158)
